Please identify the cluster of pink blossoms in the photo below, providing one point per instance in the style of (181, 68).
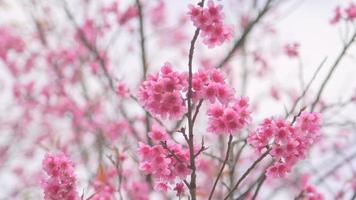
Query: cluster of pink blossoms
(227, 114)
(8, 41)
(228, 120)
(210, 21)
(61, 181)
(288, 143)
(349, 13)
(291, 50)
(138, 190)
(309, 191)
(161, 94)
(168, 162)
(103, 184)
(210, 84)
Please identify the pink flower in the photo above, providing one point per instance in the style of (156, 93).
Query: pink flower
(166, 164)
(130, 13)
(309, 122)
(139, 190)
(278, 170)
(157, 13)
(351, 12)
(337, 16)
(158, 133)
(310, 193)
(288, 143)
(9, 41)
(103, 184)
(61, 181)
(122, 90)
(210, 21)
(291, 50)
(275, 93)
(229, 119)
(179, 188)
(161, 94)
(209, 84)
(161, 187)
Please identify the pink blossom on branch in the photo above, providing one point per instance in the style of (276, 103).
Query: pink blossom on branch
(167, 162)
(61, 180)
(161, 93)
(210, 21)
(210, 84)
(289, 143)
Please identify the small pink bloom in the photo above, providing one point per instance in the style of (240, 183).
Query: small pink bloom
(351, 12)
(337, 16)
(210, 21)
(291, 50)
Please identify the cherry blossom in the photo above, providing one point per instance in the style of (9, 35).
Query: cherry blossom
(61, 181)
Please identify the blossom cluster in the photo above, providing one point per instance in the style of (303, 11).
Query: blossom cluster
(228, 120)
(288, 143)
(103, 184)
(8, 41)
(291, 50)
(161, 93)
(167, 161)
(210, 21)
(210, 84)
(348, 13)
(139, 190)
(61, 181)
(309, 191)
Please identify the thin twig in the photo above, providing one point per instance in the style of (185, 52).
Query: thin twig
(222, 167)
(334, 66)
(247, 172)
(192, 184)
(307, 87)
(259, 186)
(197, 110)
(244, 35)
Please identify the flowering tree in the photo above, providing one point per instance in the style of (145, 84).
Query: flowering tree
(170, 100)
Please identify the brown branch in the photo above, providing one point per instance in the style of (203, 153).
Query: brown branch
(336, 167)
(197, 110)
(192, 184)
(222, 167)
(202, 148)
(118, 169)
(90, 47)
(297, 115)
(247, 172)
(257, 181)
(259, 186)
(306, 88)
(332, 70)
(142, 39)
(143, 60)
(164, 145)
(244, 35)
